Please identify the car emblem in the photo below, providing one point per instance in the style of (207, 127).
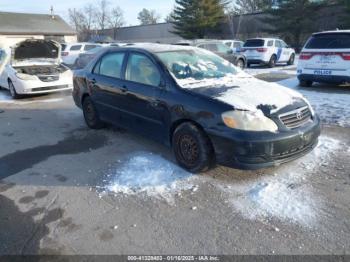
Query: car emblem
(299, 115)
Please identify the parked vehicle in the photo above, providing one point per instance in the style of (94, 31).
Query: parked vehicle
(325, 58)
(219, 48)
(268, 51)
(71, 52)
(34, 67)
(85, 58)
(198, 103)
(235, 45)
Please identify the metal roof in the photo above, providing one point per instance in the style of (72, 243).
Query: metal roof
(25, 24)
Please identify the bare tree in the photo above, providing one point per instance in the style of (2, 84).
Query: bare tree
(148, 17)
(102, 14)
(116, 20)
(78, 20)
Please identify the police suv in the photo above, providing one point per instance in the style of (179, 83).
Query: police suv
(268, 51)
(325, 58)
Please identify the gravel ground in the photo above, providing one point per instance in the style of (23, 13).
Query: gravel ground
(65, 189)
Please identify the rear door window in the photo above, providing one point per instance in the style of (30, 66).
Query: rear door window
(141, 69)
(212, 47)
(329, 41)
(89, 47)
(237, 45)
(75, 48)
(278, 43)
(111, 65)
(254, 43)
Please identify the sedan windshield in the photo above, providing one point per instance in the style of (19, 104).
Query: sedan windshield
(196, 64)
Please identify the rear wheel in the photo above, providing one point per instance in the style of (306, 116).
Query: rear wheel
(305, 83)
(91, 116)
(13, 91)
(291, 60)
(272, 62)
(240, 64)
(192, 148)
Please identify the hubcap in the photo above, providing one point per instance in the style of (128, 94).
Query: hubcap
(189, 149)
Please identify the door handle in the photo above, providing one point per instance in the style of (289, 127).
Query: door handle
(124, 89)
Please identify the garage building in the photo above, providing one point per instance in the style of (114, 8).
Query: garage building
(16, 27)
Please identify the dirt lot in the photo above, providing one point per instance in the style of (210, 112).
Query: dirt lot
(66, 189)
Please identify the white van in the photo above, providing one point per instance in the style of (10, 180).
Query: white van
(71, 52)
(325, 58)
(268, 51)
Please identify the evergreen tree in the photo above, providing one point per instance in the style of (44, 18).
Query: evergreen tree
(293, 18)
(195, 18)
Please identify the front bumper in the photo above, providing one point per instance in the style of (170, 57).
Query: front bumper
(255, 150)
(30, 87)
(333, 79)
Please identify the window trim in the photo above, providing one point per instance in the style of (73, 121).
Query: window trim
(154, 62)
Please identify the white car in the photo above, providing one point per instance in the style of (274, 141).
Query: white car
(71, 52)
(34, 67)
(235, 45)
(325, 58)
(268, 51)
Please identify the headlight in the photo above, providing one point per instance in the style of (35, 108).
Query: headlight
(26, 76)
(249, 121)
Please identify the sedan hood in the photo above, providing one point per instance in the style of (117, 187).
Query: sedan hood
(36, 52)
(244, 92)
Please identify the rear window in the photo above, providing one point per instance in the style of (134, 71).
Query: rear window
(329, 41)
(63, 46)
(254, 43)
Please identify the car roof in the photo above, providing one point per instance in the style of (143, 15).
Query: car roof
(264, 38)
(332, 32)
(155, 48)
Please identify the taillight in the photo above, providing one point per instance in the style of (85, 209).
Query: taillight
(64, 53)
(345, 56)
(261, 50)
(305, 56)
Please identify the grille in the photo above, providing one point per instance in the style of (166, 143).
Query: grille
(296, 118)
(48, 88)
(48, 78)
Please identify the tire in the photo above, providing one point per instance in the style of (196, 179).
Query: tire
(248, 65)
(291, 60)
(240, 64)
(305, 83)
(272, 62)
(91, 116)
(192, 148)
(13, 91)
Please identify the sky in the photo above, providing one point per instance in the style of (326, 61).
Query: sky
(130, 7)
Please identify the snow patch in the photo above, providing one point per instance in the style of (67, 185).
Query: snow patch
(333, 108)
(149, 174)
(245, 92)
(285, 195)
(5, 98)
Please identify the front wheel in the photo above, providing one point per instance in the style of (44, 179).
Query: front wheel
(91, 116)
(13, 91)
(192, 148)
